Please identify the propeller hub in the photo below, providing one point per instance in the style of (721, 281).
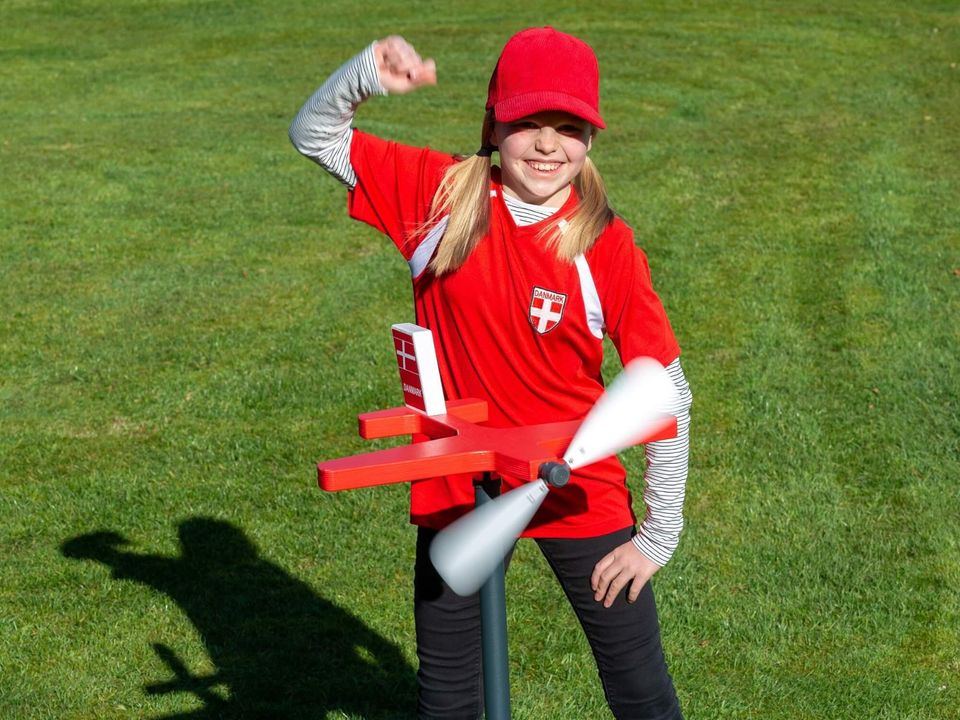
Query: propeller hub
(555, 474)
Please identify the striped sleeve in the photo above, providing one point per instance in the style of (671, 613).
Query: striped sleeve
(321, 130)
(666, 479)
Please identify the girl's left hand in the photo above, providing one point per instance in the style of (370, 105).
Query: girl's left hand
(626, 564)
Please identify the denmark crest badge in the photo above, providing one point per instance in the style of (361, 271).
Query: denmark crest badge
(546, 309)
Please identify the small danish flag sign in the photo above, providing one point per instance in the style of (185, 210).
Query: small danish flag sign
(546, 309)
(419, 373)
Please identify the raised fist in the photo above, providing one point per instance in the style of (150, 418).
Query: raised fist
(401, 68)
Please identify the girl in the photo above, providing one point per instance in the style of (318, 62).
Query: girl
(519, 270)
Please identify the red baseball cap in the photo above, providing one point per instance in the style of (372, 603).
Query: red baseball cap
(545, 69)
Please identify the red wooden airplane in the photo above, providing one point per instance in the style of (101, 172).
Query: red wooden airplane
(458, 442)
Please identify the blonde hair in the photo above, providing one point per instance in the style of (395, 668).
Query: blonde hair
(464, 198)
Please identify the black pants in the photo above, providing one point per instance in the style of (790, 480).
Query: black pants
(625, 638)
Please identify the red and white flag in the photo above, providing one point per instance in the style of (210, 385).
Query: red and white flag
(546, 309)
(419, 373)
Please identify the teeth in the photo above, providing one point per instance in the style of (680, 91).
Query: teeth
(544, 166)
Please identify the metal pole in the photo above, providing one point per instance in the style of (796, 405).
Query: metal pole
(493, 627)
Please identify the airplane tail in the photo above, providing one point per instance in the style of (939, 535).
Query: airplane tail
(419, 372)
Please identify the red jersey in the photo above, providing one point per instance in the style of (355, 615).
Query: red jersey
(517, 327)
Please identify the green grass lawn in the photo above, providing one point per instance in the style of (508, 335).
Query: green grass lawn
(188, 322)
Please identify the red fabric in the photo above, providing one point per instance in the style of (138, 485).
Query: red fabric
(487, 346)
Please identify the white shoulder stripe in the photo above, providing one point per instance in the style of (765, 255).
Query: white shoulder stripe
(421, 256)
(591, 299)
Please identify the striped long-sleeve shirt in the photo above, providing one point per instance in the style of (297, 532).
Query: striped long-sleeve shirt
(322, 131)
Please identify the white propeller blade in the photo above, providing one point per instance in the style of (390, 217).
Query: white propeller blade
(468, 550)
(633, 406)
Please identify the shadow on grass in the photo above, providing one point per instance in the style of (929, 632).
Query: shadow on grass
(281, 651)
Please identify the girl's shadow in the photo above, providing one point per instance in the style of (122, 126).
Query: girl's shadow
(281, 651)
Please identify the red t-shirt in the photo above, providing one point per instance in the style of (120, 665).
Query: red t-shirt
(511, 328)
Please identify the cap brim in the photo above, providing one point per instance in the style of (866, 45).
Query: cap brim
(521, 106)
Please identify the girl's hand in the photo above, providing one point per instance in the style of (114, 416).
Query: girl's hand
(401, 68)
(624, 565)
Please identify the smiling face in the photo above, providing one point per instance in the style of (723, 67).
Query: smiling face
(541, 154)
